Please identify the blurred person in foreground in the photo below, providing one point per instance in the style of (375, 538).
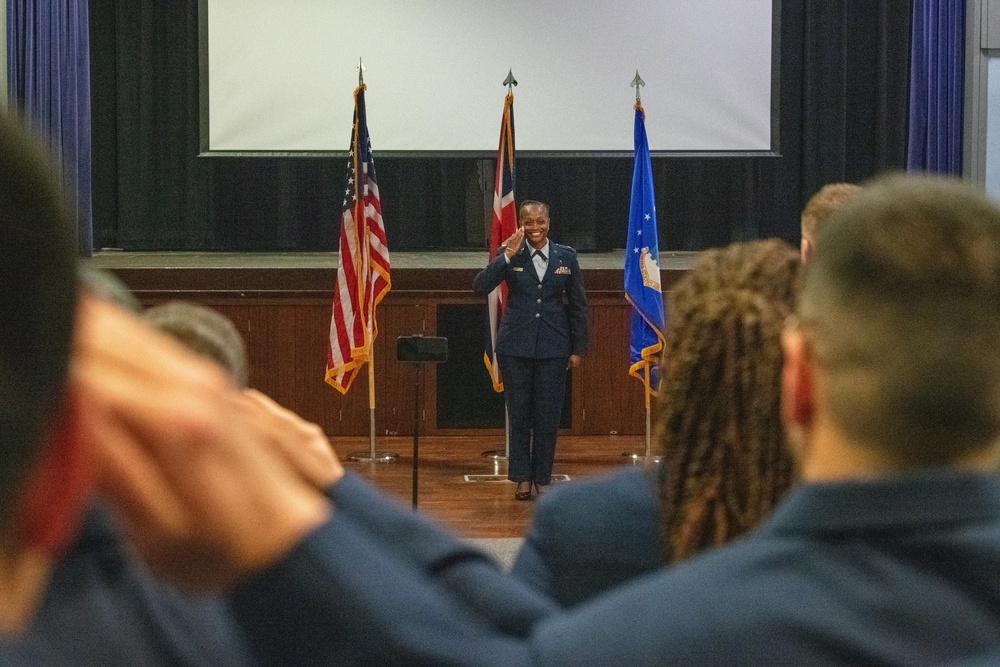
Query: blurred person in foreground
(72, 593)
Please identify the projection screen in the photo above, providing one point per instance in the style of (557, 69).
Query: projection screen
(278, 77)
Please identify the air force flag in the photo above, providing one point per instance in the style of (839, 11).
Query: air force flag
(642, 269)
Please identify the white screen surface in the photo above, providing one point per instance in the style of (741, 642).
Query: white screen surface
(280, 75)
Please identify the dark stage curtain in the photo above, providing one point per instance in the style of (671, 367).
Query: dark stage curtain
(842, 103)
(937, 86)
(151, 190)
(854, 90)
(48, 80)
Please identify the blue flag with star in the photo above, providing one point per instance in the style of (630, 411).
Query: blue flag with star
(642, 268)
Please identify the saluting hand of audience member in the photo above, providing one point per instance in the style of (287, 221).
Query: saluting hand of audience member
(188, 462)
(305, 447)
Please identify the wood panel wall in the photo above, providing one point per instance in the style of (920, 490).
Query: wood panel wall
(284, 315)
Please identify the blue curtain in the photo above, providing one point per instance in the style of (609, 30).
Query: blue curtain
(48, 79)
(937, 62)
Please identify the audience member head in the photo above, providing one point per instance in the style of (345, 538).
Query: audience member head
(39, 466)
(896, 354)
(106, 285)
(725, 458)
(37, 301)
(830, 199)
(206, 332)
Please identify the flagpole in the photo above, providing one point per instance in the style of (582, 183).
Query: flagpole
(648, 435)
(636, 221)
(371, 393)
(638, 458)
(374, 456)
(506, 431)
(362, 216)
(496, 454)
(510, 82)
(380, 457)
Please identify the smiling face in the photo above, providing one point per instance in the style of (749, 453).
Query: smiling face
(534, 218)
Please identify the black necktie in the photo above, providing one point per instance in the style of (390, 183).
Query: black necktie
(538, 253)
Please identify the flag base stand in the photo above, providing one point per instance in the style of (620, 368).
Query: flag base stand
(499, 473)
(503, 478)
(638, 459)
(501, 454)
(373, 457)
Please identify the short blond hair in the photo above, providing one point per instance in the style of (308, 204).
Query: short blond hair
(830, 199)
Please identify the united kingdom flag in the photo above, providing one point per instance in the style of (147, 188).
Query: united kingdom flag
(502, 225)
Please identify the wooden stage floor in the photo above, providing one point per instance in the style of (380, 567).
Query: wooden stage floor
(477, 508)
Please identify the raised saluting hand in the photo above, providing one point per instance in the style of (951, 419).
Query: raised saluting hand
(513, 242)
(197, 471)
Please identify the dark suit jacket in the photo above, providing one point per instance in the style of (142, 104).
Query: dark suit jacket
(373, 562)
(589, 536)
(103, 607)
(11, 655)
(900, 571)
(541, 320)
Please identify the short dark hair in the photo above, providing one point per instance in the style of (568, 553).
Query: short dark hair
(37, 301)
(204, 331)
(531, 202)
(903, 304)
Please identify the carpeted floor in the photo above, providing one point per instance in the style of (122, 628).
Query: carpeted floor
(502, 549)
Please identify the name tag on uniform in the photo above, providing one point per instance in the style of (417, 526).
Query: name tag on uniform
(563, 270)
(517, 268)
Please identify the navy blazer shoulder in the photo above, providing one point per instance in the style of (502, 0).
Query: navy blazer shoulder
(103, 607)
(588, 536)
(888, 571)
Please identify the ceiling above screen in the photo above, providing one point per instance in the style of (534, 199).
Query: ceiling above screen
(279, 76)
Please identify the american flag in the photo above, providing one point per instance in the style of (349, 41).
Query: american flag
(502, 225)
(363, 274)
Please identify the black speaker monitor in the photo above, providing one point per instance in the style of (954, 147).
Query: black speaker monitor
(428, 349)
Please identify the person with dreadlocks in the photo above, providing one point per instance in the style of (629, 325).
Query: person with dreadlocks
(725, 463)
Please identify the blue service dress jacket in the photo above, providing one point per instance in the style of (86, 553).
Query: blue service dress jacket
(103, 607)
(589, 536)
(542, 319)
(894, 571)
(373, 561)
(467, 572)
(11, 654)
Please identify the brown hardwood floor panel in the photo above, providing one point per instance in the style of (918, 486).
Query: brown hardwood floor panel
(481, 508)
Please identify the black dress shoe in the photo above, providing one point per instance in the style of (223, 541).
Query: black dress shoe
(523, 495)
